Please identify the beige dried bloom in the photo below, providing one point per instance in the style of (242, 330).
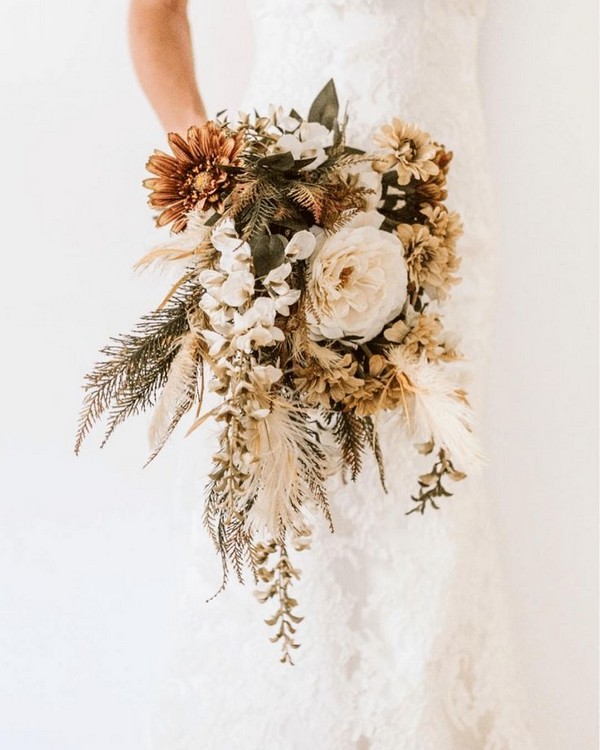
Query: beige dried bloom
(433, 189)
(421, 336)
(446, 225)
(413, 151)
(431, 263)
(423, 333)
(326, 376)
(383, 388)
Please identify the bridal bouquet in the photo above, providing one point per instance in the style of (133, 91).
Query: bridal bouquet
(308, 301)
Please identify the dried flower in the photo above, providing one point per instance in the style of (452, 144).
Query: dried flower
(422, 335)
(193, 178)
(384, 387)
(412, 151)
(357, 281)
(443, 224)
(326, 376)
(431, 263)
(433, 189)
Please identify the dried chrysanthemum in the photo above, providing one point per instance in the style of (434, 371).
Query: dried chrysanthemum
(326, 376)
(383, 388)
(193, 178)
(444, 224)
(413, 151)
(423, 333)
(421, 336)
(431, 263)
(433, 189)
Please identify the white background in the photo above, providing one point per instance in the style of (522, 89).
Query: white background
(90, 555)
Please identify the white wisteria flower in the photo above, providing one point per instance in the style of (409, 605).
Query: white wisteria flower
(237, 288)
(235, 254)
(234, 288)
(357, 281)
(301, 246)
(276, 284)
(265, 375)
(308, 142)
(279, 119)
(256, 326)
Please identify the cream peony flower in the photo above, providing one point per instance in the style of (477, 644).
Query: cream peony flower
(357, 280)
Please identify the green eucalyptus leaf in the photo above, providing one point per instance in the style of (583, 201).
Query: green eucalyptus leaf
(352, 150)
(326, 106)
(230, 169)
(337, 133)
(212, 220)
(267, 253)
(300, 163)
(295, 224)
(282, 162)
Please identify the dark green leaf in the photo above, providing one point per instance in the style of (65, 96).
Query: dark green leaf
(300, 163)
(267, 253)
(212, 220)
(295, 224)
(326, 106)
(278, 162)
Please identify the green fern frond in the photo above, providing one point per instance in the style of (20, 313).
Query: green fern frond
(136, 365)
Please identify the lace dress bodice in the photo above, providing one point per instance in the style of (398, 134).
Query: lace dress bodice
(406, 642)
(416, 59)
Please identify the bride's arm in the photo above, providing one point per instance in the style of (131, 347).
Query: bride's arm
(161, 48)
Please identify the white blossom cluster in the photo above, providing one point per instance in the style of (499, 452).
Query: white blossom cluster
(241, 321)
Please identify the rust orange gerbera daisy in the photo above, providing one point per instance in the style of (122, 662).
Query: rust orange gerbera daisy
(194, 176)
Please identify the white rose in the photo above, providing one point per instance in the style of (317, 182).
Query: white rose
(357, 280)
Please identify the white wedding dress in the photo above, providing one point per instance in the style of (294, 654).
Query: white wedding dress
(405, 642)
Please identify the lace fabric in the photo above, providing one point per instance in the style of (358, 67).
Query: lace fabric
(406, 642)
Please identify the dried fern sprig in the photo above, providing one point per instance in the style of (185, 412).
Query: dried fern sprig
(354, 435)
(430, 484)
(136, 365)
